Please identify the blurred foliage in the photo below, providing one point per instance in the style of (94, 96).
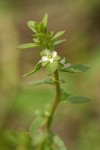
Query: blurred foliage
(81, 20)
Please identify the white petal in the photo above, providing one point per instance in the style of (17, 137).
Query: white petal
(51, 60)
(47, 52)
(44, 58)
(54, 53)
(40, 61)
(62, 61)
(66, 65)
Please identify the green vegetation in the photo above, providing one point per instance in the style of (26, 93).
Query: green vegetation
(21, 99)
(40, 131)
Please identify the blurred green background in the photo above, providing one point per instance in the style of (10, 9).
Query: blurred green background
(77, 124)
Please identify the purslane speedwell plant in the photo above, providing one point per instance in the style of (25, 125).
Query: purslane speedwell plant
(40, 131)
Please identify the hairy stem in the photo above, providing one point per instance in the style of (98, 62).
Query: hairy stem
(56, 100)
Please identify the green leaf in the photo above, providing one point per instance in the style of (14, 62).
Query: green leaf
(58, 144)
(51, 67)
(11, 137)
(47, 143)
(78, 99)
(36, 132)
(42, 53)
(36, 124)
(39, 82)
(64, 61)
(76, 68)
(45, 20)
(44, 63)
(35, 40)
(28, 45)
(57, 35)
(32, 25)
(59, 42)
(37, 67)
(40, 35)
(42, 28)
(60, 66)
(53, 142)
(57, 57)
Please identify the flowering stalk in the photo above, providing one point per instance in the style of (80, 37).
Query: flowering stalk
(40, 131)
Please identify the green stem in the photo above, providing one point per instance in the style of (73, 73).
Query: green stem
(53, 107)
(56, 100)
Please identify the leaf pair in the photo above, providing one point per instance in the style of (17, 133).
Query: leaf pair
(38, 27)
(35, 27)
(51, 67)
(43, 39)
(44, 139)
(56, 37)
(77, 68)
(53, 142)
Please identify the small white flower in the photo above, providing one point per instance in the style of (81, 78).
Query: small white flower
(49, 56)
(63, 62)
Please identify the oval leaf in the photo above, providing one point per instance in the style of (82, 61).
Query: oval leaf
(36, 124)
(76, 68)
(58, 143)
(57, 35)
(37, 67)
(78, 99)
(59, 42)
(51, 67)
(28, 45)
(36, 131)
(32, 25)
(45, 20)
(57, 57)
(53, 142)
(39, 82)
